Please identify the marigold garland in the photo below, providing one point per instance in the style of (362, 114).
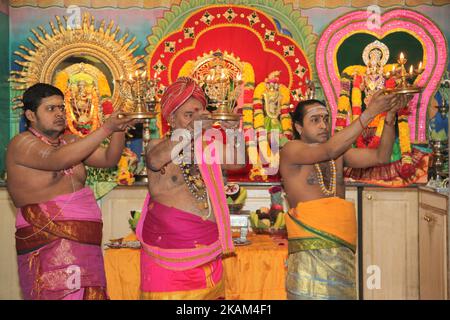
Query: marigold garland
(124, 175)
(285, 95)
(247, 114)
(356, 97)
(286, 125)
(343, 104)
(258, 119)
(405, 144)
(341, 117)
(248, 75)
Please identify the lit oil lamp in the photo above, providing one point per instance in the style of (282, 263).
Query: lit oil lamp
(135, 89)
(403, 86)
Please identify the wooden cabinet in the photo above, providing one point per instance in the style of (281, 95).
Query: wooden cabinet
(390, 244)
(257, 197)
(432, 245)
(116, 207)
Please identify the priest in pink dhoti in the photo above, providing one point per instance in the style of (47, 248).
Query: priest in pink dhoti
(58, 224)
(185, 226)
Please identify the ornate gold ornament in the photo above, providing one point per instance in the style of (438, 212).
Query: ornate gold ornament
(141, 92)
(403, 79)
(221, 76)
(55, 51)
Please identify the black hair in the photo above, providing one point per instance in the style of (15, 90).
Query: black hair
(33, 96)
(299, 113)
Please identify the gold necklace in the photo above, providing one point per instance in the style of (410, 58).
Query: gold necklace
(196, 185)
(331, 190)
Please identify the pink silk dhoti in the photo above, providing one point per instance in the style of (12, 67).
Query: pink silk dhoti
(181, 253)
(58, 247)
(170, 228)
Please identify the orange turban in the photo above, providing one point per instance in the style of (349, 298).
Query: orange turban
(178, 93)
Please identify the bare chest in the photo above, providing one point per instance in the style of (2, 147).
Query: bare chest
(171, 187)
(324, 173)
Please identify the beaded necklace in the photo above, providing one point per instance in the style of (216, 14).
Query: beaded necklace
(44, 139)
(331, 190)
(194, 181)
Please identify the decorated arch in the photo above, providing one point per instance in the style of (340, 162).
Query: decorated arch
(347, 71)
(250, 34)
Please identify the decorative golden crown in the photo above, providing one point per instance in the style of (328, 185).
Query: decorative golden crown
(220, 76)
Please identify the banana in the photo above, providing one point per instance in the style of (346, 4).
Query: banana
(279, 222)
(283, 221)
(242, 196)
(254, 219)
(264, 224)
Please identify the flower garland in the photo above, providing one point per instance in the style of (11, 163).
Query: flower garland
(248, 76)
(258, 121)
(186, 69)
(407, 168)
(286, 121)
(356, 97)
(285, 117)
(343, 104)
(124, 175)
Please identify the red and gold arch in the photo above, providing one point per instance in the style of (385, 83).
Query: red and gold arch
(251, 38)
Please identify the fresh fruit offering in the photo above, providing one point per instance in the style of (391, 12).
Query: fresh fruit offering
(235, 194)
(270, 219)
(261, 219)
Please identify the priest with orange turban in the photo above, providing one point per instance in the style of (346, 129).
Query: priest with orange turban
(185, 225)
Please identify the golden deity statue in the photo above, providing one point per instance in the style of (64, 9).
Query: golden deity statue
(375, 57)
(83, 100)
(86, 96)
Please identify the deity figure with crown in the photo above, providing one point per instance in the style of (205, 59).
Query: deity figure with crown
(358, 84)
(87, 97)
(270, 111)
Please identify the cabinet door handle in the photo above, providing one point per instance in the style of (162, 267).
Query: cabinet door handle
(427, 218)
(369, 197)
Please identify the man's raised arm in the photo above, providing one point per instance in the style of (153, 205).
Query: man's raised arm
(30, 152)
(298, 152)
